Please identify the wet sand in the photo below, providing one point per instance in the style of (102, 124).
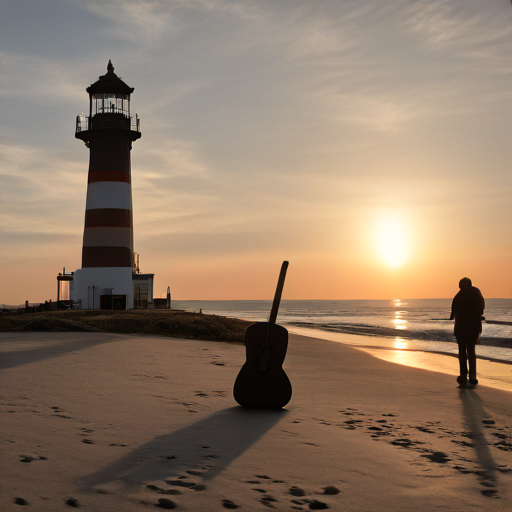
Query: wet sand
(122, 423)
(494, 364)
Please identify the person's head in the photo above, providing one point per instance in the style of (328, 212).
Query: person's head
(465, 282)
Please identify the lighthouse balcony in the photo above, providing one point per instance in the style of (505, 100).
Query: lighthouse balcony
(107, 121)
(101, 125)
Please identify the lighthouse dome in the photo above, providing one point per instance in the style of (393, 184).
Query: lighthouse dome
(109, 83)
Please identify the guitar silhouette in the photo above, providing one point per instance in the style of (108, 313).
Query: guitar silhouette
(262, 382)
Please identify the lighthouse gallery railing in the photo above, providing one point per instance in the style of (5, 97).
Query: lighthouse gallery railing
(84, 123)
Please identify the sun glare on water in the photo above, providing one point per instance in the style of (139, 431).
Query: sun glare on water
(391, 242)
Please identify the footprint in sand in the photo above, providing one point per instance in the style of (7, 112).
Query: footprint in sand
(165, 503)
(181, 483)
(229, 504)
(72, 502)
(159, 490)
(500, 439)
(268, 500)
(437, 457)
(298, 504)
(317, 505)
(188, 485)
(29, 458)
(503, 445)
(425, 429)
(20, 501)
(312, 504)
(56, 409)
(403, 442)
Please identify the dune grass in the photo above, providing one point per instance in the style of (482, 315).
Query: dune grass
(173, 323)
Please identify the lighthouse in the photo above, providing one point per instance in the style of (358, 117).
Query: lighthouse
(110, 276)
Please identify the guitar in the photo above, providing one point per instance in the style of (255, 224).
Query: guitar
(262, 382)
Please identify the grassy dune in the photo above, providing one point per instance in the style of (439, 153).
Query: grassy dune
(177, 324)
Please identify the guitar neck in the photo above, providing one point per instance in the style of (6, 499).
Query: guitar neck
(279, 292)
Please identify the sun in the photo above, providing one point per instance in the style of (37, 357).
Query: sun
(391, 242)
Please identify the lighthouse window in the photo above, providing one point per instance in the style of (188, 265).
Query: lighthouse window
(109, 103)
(98, 103)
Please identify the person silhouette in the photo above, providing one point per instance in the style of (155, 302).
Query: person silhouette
(467, 309)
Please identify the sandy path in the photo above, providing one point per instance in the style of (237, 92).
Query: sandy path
(117, 423)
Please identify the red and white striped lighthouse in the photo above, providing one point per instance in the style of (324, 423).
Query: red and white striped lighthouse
(105, 280)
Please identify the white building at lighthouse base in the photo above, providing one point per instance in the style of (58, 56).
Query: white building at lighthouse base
(110, 288)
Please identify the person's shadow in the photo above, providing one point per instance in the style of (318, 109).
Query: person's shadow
(205, 448)
(474, 414)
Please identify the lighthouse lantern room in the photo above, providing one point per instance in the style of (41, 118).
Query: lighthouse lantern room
(109, 277)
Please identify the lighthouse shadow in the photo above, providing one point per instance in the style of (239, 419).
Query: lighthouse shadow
(49, 345)
(201, 450)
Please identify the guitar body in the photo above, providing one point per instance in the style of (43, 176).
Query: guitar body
(262, 382)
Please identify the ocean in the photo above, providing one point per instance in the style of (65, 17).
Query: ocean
(420, 319)
(400, 324)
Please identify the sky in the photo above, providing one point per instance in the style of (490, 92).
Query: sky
(367, 142)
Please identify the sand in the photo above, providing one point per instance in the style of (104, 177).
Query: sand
(109, 422)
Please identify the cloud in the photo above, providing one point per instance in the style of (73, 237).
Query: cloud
(41, 191)
(36, 238)
(147, 21)
(465, 28)
(135, 20)
(390, 69)
(29, 78)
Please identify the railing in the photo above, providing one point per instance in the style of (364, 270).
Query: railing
(102, 122)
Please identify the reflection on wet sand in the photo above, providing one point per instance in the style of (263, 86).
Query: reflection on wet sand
(432, 356)
(493, 374)
(401, 344)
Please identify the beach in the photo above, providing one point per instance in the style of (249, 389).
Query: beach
(130, 422)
